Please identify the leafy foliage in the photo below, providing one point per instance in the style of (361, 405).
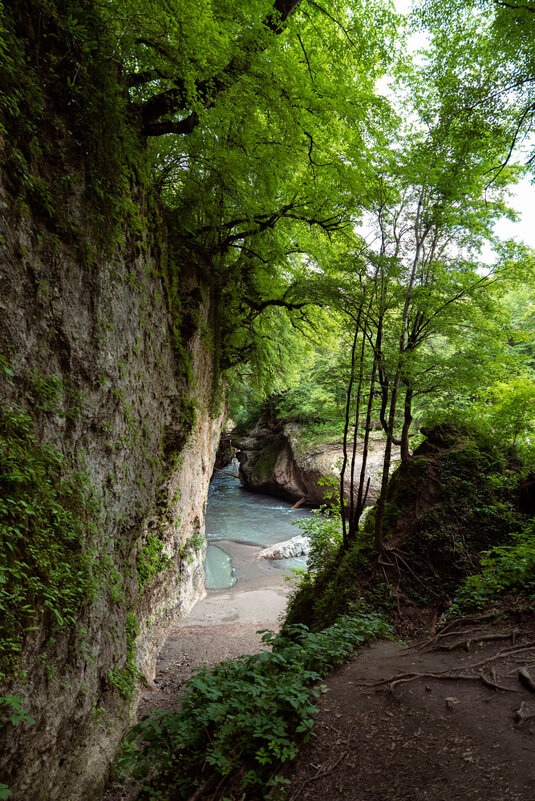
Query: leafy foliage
(150, 560)
(243, 718)
(484, 54)
(123, 678)
(16, 714)
(46, 512)
(452, 501)
(505, 569)
(324, 529)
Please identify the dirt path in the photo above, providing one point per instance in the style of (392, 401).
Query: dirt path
(427, 739)
(382, 733)
(222, 625)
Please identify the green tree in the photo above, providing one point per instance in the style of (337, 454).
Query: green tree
(483, 62)
(261, 121)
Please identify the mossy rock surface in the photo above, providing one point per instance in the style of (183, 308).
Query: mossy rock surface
(265, 461)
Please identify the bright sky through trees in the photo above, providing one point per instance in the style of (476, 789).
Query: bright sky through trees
(523, 197)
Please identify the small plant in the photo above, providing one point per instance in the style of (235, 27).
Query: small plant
(17, 714)
(46, 514)
(195, 543)
(124, 678)
(504, 569)
(242, 719)
(150, 560)
(324, 529)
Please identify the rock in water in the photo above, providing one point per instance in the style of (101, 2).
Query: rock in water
(297, 546)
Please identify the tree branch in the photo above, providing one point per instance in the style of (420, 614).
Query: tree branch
(175, 99)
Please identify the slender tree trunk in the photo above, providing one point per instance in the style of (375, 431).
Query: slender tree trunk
(352, 511)
(387, 459)
(363, 485)
(407, 420)
(346, 426)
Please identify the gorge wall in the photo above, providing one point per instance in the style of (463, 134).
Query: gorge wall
(277, 458)
(108, 429)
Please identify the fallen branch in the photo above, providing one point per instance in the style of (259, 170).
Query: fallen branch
(445, 630)
(467, 619)
(298, 504)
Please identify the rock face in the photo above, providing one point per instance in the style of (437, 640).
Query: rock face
(123, 414)
(94, 359)
(225, 452)
(274, 459)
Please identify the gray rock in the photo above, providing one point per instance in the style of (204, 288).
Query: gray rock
(297, 546)
(274, 460)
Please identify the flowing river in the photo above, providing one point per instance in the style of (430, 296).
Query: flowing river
(234, 514)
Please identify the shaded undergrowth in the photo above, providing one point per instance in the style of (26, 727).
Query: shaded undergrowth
(455, 500)
(240, 721)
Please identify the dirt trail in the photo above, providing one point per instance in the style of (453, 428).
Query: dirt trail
(381, 734)
(221, 626)
(430, 738)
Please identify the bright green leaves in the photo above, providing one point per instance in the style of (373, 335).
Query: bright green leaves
(245, 717)
(505, 569)
(483, 57)
(278, 157)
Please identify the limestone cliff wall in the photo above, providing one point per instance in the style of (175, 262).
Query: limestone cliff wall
(276, 459)
(89, 350)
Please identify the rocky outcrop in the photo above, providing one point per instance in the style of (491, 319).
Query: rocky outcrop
(275, 459)
(226, 451)
(91, 358)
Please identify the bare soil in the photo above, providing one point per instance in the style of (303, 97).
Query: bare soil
(443, 718)
(402, 723)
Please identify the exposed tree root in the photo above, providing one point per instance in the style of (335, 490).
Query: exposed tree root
(405, 678)
(445, 631)
(494, 684)
(525, 679)
(477, 639)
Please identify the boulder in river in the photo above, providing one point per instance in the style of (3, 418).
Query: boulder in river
(297, 546)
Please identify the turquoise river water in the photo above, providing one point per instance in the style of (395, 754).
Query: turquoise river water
(234, 513)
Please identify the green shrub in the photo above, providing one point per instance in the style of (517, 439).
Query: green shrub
(245, 717)
(324, 530)
(504, 569)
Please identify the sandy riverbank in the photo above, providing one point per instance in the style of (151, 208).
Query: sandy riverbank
(222, 625)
